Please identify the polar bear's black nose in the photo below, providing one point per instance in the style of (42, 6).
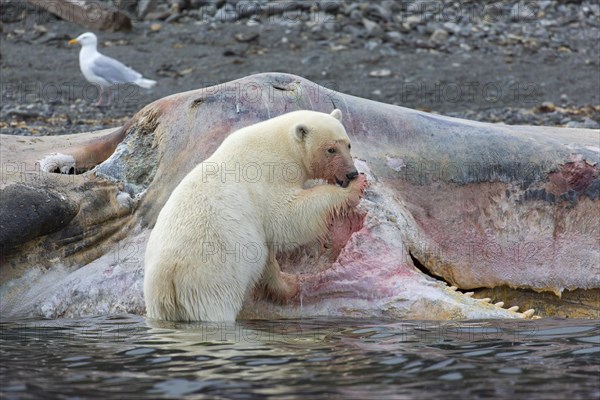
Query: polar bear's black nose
(352, 175)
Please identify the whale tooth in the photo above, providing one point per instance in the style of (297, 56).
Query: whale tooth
(499, 304)
(514, 308)
(453, 288)
(529, 313)
(468, 294)
(486, 300)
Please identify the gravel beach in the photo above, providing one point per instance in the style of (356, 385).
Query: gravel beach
(510, 62)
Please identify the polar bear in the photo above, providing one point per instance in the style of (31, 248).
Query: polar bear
(219, 232)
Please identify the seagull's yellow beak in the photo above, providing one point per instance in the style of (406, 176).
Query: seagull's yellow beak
(73, 41)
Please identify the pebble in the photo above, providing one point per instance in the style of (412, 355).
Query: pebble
(227, 13)
(452, 27)
(439, 36)
(413, 21)
(380, 73)
(388, 19)
(370, 26)
(587, 123)
(144, 7)
(394, 36)
(523, 11)
(547, 106)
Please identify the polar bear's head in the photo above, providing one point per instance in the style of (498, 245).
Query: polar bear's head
(326, 148)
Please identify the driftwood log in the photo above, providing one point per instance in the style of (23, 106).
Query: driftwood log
(92, 15)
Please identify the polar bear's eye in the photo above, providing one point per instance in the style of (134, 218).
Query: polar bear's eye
(331, 150)
(349, 146)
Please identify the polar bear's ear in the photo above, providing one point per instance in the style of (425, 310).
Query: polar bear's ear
(301, 131)
(337, 114)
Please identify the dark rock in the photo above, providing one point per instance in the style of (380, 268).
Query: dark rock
(587, 123)
(26, 213)
(452, 27)
(330, 6)
(12, 11)
(145, 7)
(207, 12)
(179, 5)
(23, 113)
(372, 44)
(248, 9)
(422, 29)
(394, 37)
(319, 21)
(350, 8)
(388, 51)
(158, 15)
(431, 27)
(174, 17)
(547, 106)
(227, 13)
(128, 6)
(523, 11)
(195, 4)
(356, 15)
(377, 13)
(372, 27)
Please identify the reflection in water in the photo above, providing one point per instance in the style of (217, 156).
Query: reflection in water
(130, 357)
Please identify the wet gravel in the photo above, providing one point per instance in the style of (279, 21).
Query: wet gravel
(513, 62)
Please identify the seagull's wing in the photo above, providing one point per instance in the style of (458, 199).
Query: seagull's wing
(113, 71)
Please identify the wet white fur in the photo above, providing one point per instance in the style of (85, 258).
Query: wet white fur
(212, 240)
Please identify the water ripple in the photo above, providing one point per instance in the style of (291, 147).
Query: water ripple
(126, 356)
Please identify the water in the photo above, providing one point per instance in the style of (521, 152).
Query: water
(128, 357)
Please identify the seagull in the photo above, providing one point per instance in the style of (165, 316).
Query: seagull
(104, 71)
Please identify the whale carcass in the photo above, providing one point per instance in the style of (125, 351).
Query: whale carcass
(455, 210)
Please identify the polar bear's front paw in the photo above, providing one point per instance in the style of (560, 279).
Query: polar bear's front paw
(356, 190)
(282, 289)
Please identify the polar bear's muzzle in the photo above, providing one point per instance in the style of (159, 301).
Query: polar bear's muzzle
(349, 176)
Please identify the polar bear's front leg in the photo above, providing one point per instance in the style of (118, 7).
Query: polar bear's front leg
(277, 285)
(312, 210)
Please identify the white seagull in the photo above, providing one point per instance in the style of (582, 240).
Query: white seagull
(103, 71)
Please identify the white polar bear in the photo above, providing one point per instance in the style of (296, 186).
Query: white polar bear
(220, 230)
